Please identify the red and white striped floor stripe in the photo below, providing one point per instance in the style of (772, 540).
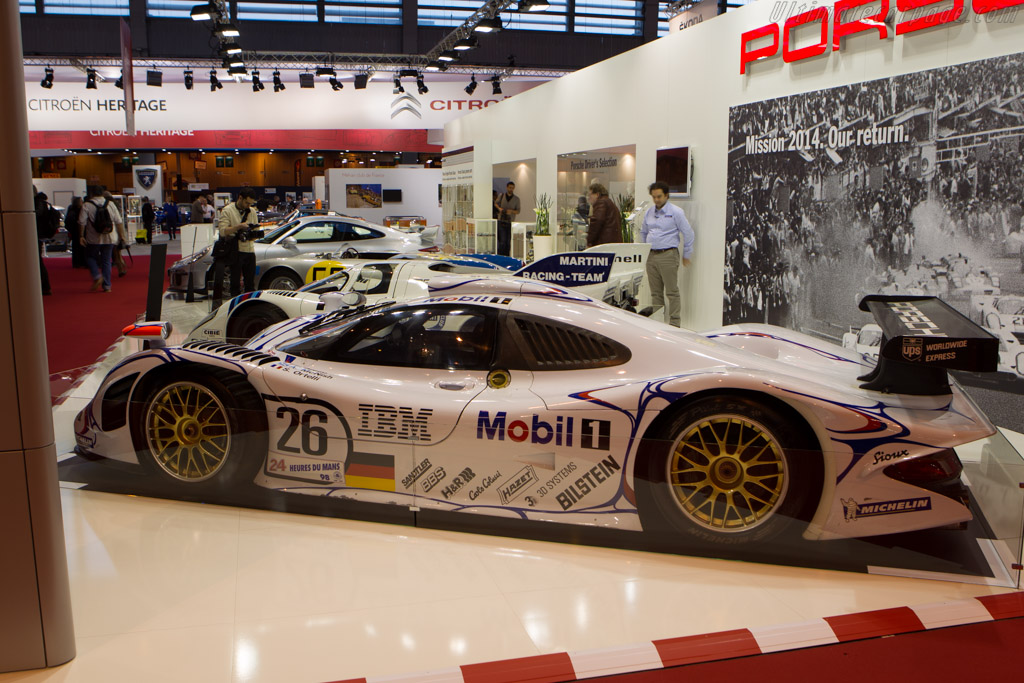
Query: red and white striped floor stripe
(659, 654)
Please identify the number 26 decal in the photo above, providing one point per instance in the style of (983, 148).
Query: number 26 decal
(312, 436)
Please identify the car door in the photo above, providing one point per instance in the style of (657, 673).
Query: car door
(319, 236)
(396, 380)
(561, 438)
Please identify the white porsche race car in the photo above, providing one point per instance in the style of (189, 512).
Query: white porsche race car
(616, 280)
(523, 400)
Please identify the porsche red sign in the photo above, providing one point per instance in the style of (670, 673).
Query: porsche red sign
(912, 15)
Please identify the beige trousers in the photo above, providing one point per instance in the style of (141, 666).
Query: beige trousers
(663, 276)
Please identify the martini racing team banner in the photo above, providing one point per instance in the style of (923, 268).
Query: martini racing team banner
(573, 269)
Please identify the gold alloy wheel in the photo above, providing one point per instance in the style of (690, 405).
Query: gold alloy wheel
(727, 473)
(187, 431)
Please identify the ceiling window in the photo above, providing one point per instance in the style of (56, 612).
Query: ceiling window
(278, 10)
(364, 12)
(173, 9)
(107, 8)
(451, 13)
(617, 17)
(27, 6)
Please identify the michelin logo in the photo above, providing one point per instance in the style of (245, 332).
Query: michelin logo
(854, 510)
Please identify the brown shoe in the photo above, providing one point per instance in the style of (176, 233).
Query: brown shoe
(97, 284)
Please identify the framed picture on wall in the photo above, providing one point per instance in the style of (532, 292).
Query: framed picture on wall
(220, 162)
(229, 162)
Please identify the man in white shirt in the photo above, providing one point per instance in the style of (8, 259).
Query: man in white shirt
(97, 239)
(235, 219)
(668, 232)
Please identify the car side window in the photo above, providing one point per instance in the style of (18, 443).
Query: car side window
(374, 278)
(361, 233)
(317, 231)
(439, 338)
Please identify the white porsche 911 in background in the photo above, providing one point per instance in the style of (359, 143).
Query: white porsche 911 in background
(518, 399)
(304, 235)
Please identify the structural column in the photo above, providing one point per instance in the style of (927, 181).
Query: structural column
(35, 603)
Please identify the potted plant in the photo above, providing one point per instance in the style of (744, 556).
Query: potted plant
(543, 240)
(626, 204)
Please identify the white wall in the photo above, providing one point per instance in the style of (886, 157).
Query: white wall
(60, 190)
(677, 90)
(418, 186)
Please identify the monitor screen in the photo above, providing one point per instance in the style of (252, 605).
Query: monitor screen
(392, 196)
(673, 167)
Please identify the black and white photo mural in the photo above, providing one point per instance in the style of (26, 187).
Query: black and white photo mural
(904, 185)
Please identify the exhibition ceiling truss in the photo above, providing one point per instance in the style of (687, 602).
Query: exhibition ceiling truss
(445, 56)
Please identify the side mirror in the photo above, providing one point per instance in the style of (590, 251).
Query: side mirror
(334, 301)
(289, 243)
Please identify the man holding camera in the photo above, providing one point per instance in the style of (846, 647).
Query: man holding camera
(235, 226)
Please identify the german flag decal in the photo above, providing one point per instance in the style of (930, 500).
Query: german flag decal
(370, 471)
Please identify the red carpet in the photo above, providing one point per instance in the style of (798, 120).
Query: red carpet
(989, 651)
(81, 325)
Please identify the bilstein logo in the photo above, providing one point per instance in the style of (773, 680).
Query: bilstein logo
(854, 510)
(594, 434)
(146, 177)
(912, 348)
(406, 102)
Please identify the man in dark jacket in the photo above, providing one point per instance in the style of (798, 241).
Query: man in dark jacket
(44, 230)
(148, 217)
(75, 232)
(605, 220)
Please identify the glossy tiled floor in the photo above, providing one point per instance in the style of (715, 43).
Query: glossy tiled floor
(170, 591)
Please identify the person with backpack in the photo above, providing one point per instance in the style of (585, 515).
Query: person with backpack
(47, 225)
(98, 219)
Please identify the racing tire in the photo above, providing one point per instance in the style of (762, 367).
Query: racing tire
(250, 320)
(280, 278)
(200, 431)
(729, 470)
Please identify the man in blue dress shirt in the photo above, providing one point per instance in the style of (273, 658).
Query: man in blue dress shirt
(668, 232)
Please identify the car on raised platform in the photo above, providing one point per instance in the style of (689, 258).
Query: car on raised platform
(303, 235)
(517, 400)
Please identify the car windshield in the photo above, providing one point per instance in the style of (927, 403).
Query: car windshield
(869, 337)
(331, 283)
(1010, 306)
(322, 333)
(274, 234)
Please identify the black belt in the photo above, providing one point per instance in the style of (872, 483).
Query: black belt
(659, 251)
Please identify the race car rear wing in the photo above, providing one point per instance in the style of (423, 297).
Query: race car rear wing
(922, 338)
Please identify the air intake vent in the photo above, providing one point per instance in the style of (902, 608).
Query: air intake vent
(564, 347)
(231, 351)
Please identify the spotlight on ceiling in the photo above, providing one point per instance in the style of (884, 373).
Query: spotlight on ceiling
(496, 85)
(215, 84)
(237, 70)
(335, 83)
(47, 81)
(436, 66)
(325, 71)
(154, 78)
(398, 87)
(257, 84)
(278, 85)
(533, 5)
(471, 88)
(448, 56)
(204, 12)
(231, 48)
(119, 83)
(227, 31)
(467, 43)
(231, 62)
(488, 25)
(90, 79)
(189, 79)
(421, 86)
(306, 80)
(361, 81)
